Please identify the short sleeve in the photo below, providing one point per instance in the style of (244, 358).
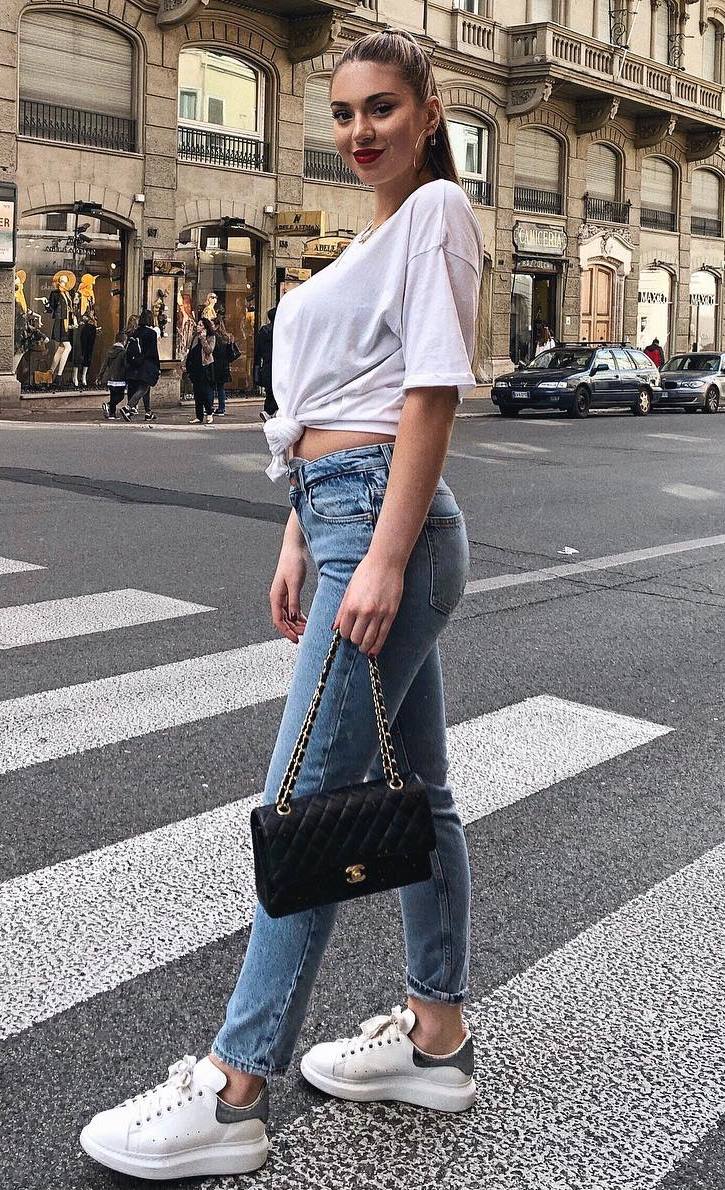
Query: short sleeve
(438, 321)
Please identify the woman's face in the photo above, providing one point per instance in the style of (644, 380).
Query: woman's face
(200, 325)
(372, 108)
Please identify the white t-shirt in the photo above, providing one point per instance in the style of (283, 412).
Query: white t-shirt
(393, 312)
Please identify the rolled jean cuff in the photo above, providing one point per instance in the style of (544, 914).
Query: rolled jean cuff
(246, 1066)
(422, 992)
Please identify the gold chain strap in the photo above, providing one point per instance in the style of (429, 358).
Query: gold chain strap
(390, 767)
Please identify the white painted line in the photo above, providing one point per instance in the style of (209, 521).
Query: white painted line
(513, 448)
(60, 619)
(12, 566)
(688, 491)
(459, 454)
(679, 437)
(599, 1068)
(81, 927)
(40, 727)
(610, 562)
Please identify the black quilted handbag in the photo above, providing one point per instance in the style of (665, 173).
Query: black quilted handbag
(344, 843)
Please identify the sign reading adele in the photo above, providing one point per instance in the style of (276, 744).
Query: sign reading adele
(539, 239)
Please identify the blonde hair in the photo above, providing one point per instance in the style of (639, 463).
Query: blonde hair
(398, 48)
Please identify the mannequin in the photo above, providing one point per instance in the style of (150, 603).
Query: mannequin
(84, 335)
(185, 323)
(160, 313)
(209, 310)
(60, 305)
(21, 315)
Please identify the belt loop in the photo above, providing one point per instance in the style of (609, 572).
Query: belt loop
(295, 473)
(387, 449)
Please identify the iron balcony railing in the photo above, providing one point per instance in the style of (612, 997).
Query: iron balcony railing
(658, 220)
(544, 202)
(605, 210)
(74, 126)
(205, 147)
(478, 191)
(326, 165)
(704, 225)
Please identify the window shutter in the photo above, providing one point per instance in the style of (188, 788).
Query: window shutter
(709, 52)
(661, 18)
(318, 117)
(706, 194)
(602, 171)
(657, 184)
(67, 59)
(537, 160)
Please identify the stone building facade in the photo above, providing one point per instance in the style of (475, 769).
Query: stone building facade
(179, 154)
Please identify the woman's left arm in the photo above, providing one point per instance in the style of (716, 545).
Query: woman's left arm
(373, 595)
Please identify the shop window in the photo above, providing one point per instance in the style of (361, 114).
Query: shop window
(706, 203)
(76, 81)
(322, 160)
(61, 342)
(654, 308)
(471, 152)
(229, 96)
(704, 311)
(603, 186)
(659, 191)
(537, 182)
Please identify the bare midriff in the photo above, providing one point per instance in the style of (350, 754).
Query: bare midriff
(315, 443)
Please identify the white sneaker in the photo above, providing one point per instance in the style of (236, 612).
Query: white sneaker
(383, 1063)
(181, 1128)
(209, 419)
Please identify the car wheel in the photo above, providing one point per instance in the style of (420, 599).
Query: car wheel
(581, 403)
(712, 401)
(508, 410)
(643, 405)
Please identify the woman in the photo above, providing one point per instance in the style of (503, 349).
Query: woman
(222, 371)
(143, 367)
(365, 419)
(544, 340)
(199, 366)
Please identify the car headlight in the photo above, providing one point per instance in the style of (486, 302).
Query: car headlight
(553, 384)
(501, 384)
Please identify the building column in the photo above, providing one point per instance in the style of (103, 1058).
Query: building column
(9, 385)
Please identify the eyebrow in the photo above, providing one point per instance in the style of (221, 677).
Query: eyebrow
(370, 98)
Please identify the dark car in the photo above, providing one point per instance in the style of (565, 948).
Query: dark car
(694, 381)
(577, 379)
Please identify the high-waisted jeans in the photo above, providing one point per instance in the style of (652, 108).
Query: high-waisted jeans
(338, 499)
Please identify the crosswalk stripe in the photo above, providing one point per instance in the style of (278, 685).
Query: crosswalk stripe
(85, 925)
(12, 566)
(54, 723)
(599, 1067)
(81, 615)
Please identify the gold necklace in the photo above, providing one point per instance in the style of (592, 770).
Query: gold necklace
(367, 231)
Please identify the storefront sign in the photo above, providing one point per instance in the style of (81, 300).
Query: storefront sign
(175, 12)
(539, 239)
(169, 268)
(325, 247)
(8, 207)
(300, 223)
(535, 264)
(291, 274)
(650, 297)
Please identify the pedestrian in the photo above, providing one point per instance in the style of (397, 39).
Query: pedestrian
(361, 437)
(221, 366)
(200, 370)
(545, 340)
(655, 353)
(113, 374)
(142, 367)
(262, 373)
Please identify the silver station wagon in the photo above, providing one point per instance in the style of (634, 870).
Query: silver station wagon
(695, 380)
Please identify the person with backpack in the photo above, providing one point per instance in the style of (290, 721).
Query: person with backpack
(142, 367)
(263, 365)
(199, 366)
(113, 373)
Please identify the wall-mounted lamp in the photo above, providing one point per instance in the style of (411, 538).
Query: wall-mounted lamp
(139, 198)
(269, 210)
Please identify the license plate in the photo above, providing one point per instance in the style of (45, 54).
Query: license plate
(518, 395)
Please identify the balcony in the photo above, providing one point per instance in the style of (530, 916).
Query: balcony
(604, 210)
(73, 126)
(704, 225)
(478, 190)
(658, 220)
(326, 165)
(539, 202)
(204, 147)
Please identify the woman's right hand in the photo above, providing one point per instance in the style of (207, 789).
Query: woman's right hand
(285, 592)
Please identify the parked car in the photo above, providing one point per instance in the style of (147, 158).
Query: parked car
(577, 379)
(694, 381)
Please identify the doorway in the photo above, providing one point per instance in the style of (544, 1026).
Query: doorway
(597, 304)
(534, 304)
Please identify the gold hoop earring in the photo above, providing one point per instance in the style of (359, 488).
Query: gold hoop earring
(415, 150)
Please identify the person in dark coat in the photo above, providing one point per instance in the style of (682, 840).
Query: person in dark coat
(222, 369)
(199, 365)
(263, 364)
(142, 366)
(113, 373)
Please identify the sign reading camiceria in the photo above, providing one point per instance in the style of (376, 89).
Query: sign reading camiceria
(300, 223)
(539, 239)
(325, 247)
(8, 205)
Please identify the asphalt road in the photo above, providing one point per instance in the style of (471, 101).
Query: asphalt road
(586, 717)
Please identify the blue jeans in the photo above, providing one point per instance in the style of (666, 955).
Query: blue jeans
(221, 397)
(338, 499)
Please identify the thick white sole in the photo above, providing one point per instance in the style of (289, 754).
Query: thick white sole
(215, 1159)
(418, 1091)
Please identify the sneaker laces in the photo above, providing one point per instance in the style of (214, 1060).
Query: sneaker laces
(382, 1029)
(164, 1096)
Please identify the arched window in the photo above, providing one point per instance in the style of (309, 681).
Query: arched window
(221, 110)
(76, 81)
(470, 142)
(704, 311)
(711, 52)
(537, 172)
(659, 194)
(655, 308)
(706, 203)
(604, 185)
